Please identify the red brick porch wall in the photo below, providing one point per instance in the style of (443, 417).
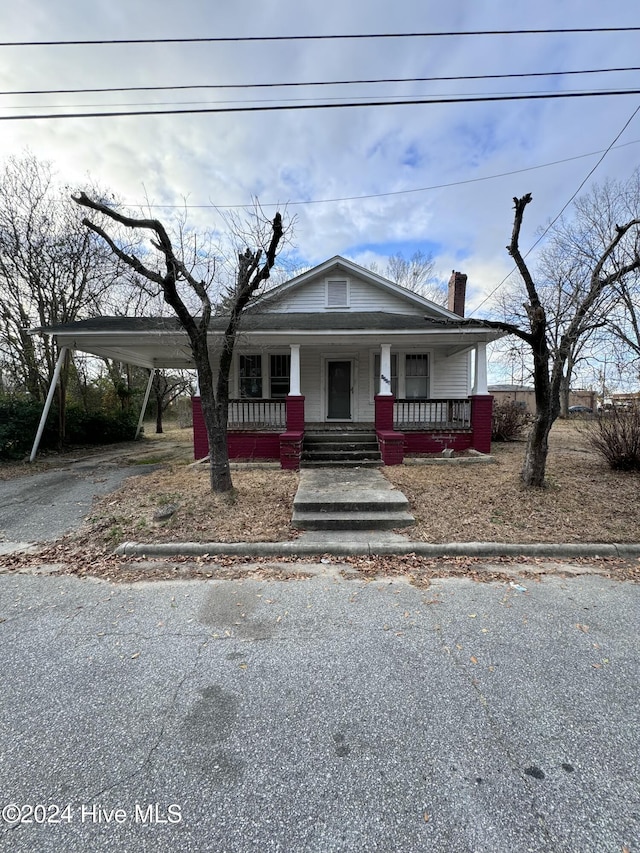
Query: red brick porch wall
(481, 411)
(436, 442)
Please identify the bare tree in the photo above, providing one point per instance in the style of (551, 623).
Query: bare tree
(166, 388)
(619, 258)
(254, 268)
(416, 274)
(51, 271)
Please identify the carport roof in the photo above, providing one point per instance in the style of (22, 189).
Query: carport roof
(161, 341)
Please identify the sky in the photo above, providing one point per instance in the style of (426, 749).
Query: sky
(361, 182)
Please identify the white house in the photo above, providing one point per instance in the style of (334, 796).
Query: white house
(338, 349)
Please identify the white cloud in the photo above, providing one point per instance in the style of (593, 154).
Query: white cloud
(319, 154)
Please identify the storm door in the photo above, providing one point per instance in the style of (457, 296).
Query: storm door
(339, 390)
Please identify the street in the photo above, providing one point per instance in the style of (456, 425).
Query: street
(319, 714)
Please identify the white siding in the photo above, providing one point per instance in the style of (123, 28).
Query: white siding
(363, 296)
(450, 376)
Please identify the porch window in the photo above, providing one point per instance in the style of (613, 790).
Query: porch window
(280, 375)
(394, 374)
(250, 376)
(417, 376)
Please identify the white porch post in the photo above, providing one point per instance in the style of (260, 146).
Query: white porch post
(480, 383)
(48, 401)
(385, 370)
(294, 379)
(145, 401)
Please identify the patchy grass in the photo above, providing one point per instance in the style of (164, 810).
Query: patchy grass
(258, 510)
(584, 502)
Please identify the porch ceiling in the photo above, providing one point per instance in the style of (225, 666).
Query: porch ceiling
(160, 342)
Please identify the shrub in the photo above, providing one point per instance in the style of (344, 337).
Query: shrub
(507, 421)
(615, 437)
(19, 420)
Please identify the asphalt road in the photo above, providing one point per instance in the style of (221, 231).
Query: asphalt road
(319, 715)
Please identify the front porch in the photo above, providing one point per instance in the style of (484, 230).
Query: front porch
(276, 428)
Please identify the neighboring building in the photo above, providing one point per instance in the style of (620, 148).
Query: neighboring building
(525, 396)
(338, 348)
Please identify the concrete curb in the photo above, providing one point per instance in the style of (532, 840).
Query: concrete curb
(365, 548)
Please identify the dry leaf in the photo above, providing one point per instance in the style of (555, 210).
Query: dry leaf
(427, 817)
(473, 659)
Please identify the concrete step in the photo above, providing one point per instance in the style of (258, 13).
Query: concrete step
(341, 450)
(371, 520)
(340, 455)
(363, 500)
(369, 447)
(339, 438)
(344, 463)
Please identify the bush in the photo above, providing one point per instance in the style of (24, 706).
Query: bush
(19, 420)
(507, 421)
(615, 437)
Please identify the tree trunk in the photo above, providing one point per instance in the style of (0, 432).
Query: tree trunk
(535, 457)
(565, 387)
(158, 414)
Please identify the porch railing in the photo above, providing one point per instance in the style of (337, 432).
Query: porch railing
(257, 414)
(432, 414)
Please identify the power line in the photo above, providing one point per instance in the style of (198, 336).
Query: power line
(332, 37)
(385, 194)
(309, 102)
(565, 206)
(334, 106)
(108, 89)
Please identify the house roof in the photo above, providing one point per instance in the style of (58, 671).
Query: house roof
(162, 342)
(272, 321)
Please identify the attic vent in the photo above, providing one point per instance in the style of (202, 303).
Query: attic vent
(337, 293)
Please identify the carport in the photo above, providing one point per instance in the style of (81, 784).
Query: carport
(154, 343)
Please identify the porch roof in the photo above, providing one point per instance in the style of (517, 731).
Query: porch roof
(161, 341)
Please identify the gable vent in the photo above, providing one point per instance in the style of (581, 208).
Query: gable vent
(337, 293)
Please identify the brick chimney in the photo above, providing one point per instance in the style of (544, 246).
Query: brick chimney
(457, 291)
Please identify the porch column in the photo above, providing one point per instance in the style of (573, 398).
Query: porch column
(385, 370)
(480, 382)
(291, 440)
(294, 380)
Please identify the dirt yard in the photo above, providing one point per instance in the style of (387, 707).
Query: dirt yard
(585, 501)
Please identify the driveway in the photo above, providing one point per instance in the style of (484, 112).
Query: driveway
(42, 506)
(320, 714)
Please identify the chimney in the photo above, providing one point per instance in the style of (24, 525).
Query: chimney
(457, 291)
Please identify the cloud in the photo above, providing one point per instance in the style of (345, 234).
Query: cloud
(313, 155)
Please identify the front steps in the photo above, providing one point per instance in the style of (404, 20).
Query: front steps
(329, 499)
(340, 450)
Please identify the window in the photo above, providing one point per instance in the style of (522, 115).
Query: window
(280, 375)
(251, 376)
(417, 376)
(394, 374)
(337, 293)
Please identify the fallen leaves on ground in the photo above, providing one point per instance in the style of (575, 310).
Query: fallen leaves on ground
(585, 500)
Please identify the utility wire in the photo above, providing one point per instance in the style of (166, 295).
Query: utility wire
(332, 37)
(107, 89)
(334, 106)
(565, 206)
(380, 195)
(309, 102)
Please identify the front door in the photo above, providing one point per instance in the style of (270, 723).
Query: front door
(339, 390)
